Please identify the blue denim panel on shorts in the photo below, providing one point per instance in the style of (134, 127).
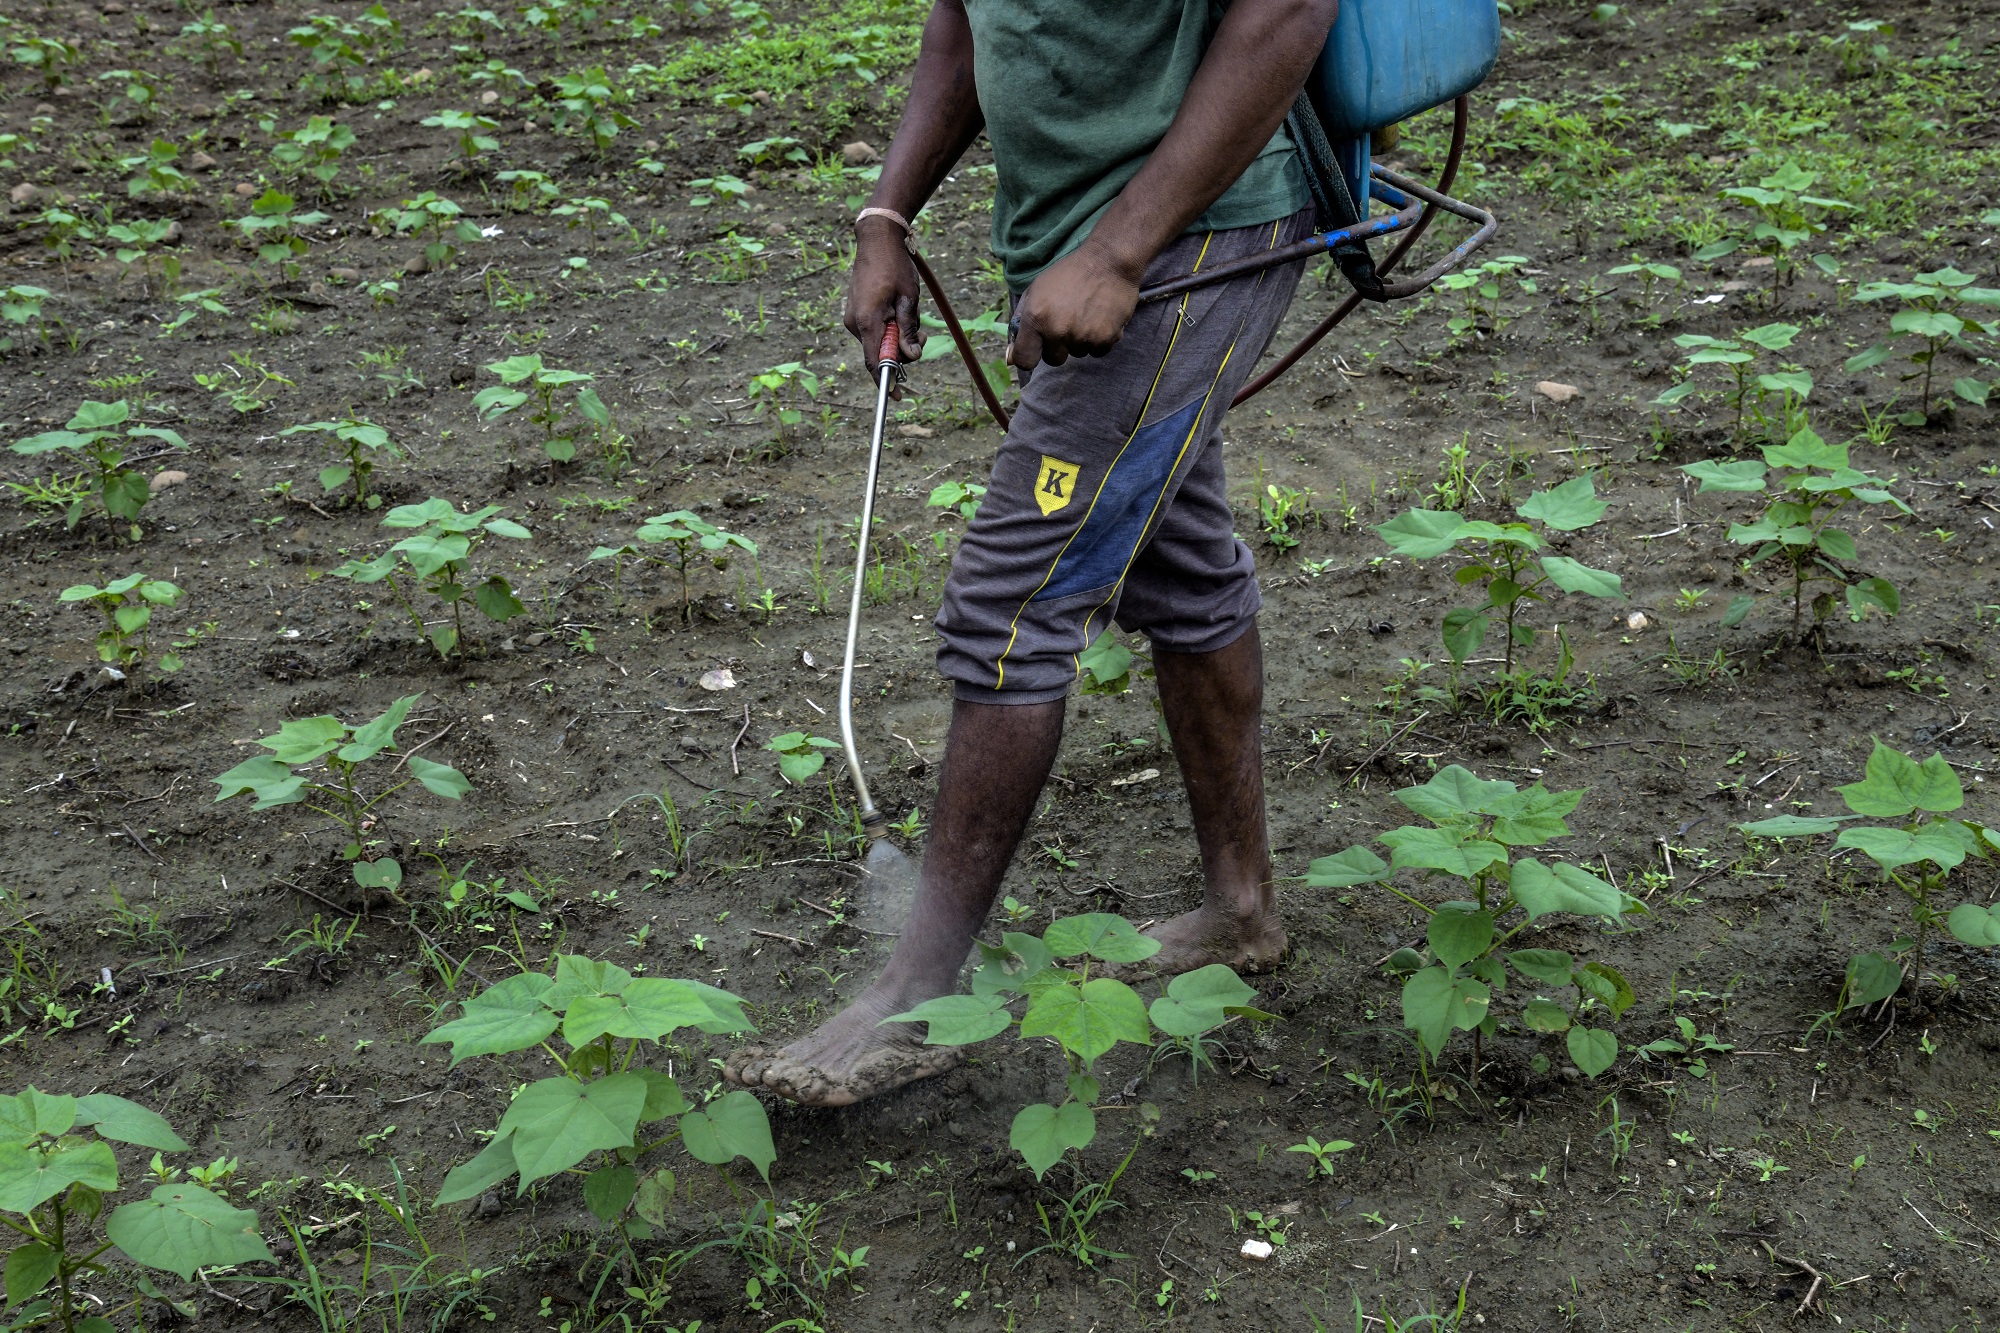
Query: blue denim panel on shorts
(1107, 501)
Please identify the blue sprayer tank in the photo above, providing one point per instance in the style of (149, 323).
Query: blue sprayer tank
(1386, 60)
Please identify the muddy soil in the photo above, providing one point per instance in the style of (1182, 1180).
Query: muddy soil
(1667, 1193)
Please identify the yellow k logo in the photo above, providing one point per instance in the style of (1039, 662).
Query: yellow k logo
(1054, 484)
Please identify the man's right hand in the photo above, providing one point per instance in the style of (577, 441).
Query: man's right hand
(883, 286)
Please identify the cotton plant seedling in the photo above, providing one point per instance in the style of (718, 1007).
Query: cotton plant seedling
(604, 1112)
(154, 172)
(527, 191)
(1788, 217)
(357, 441)
(1508, 559)
(474, 133)
(272, 228)
(57, 1171)
(141, 90)
(1916, 852)
(779, 391)
(343, 50)
(207, 38)
(127, 604)
(1475, 829)
(342, 772)
(1105, 667)
(102, 434)
(960, 496)
(434, 216)
(440, 555)
(799, 755)
(1812, 484)
(49, 57)
(313, 150)
(1481, 285)
(589, 213)
(143, 241)
(1084, 1015)
(20, 309)
(193, 305)
(1934, 315)
(686, 533)
(1740, 354)
(585, 102)
(1650, 275)
(538, 388)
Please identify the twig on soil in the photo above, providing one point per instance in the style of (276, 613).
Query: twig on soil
(792, 940)
(141, 843)
(736, 769)
(823, 911)
(463, 967)
(1949, 1240)
(422, 743)
(1818, 1278)
(1380, 749)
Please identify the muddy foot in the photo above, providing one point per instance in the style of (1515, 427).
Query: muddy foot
(1203, 936)
(852, 1058)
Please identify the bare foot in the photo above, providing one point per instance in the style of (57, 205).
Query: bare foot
(1207, 935)
(854, 1056)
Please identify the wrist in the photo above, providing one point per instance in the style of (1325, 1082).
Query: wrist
(1111, 253)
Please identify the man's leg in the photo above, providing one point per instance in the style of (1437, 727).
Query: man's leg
(1214, 706)
(997, 758)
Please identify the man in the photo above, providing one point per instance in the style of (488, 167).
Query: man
(1132, 140)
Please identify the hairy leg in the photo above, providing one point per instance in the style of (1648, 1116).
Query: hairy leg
(997, 757)
(1214, 705)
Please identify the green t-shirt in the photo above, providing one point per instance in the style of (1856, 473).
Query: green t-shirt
(1076, 96)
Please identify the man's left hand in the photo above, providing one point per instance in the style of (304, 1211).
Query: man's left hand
(1079, 306)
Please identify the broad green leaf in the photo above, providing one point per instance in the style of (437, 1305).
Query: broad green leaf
(511, 1016)
(1449, 850)
(1533, 817)
(608, 1189)
(1608, 984)
(29, 1268)
(733, 1125)
(305, 739)
(655, 1199)
(100, 416)
(1453, 794)
(1574, 576)
(35, 1113)
(1877, 594)
(1972, 390)
(1101, 935)
(648, 1008)
(1894, 785)
(127, 1122)
(29, 1176)
(1740, 475)
(1421, 533)
(1771, 337)
(1043, 1133)
(433, 510)
(1562, 887)
(1457, 935)
(1008, 966)
(1976, 924)
(1867, 360)
(577, 975)
(1592, 1050)
(1435, 1002)
(1540, 1015)
(1799, 382)
(385, 873)
(1464, 629)
(1199, 1000)
(1739, 610)
(959, 1020)
(725, 1011)
(1090, 1019)
(1569, 507)
(1871, 977)
(1356, 865)
(183, 1227)
(1894, 848)
(1836, 544)
(496, 600)
(663, 1096)
(469, 1180)
(1550, 966)
(557, 1122)
(374, 737)
(1793, 826)
(1803, 449)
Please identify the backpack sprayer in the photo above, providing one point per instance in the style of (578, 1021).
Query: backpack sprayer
(1384, 61)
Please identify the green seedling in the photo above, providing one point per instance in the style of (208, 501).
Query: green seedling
(708, 189)
(589, 212)
(1475, 829)
(440, 555)
(686, 532)
(141, 242)
(49, 57)
(593, 1019)
(355, 440)
(343, 51)
(1650, 275)
(527, 191)
(1692, 1045)
(1322, 1155)
(584, 102)
(1934, 315)
(1481, 285)
(780, 390)
(1916, 855)
(314, 149)
(209, 38)
(127, 606)
(1283, 512)
(249, 385)
(100, 433)
(475, 133)
(1788, 217)
(56, 1169)
(1813, 484)
(963, 496)
(1752, 387)
(1105, 667)
(323, 764)
(430, 214)
(21, 306)
(273, 228)
(1507, 559)
(799, 755)
(193, 305)
(541, 383)
(154, 171)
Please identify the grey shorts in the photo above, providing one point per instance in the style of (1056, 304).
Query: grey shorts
(1107, 502)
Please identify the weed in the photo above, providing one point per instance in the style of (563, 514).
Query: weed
(20, 306)
(1322, 1154)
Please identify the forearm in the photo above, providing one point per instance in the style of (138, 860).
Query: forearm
(941, 119)
(1240, 94)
